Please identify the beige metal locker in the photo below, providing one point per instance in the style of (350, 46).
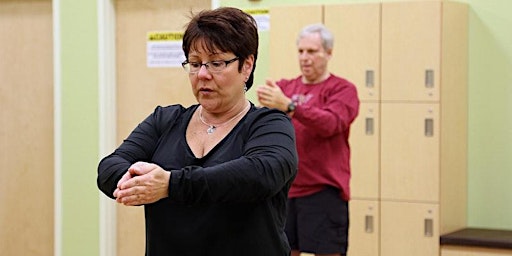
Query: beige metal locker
(450, 83)
(409, 229)
(411, 47)
(356, 57)
(356, 54)
(423, 124)
(364, 231)
(286, 23)
(410, 152)
(365, 150)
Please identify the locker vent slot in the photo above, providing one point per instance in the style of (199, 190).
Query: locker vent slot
(369, 78)
(369, 126)
(429, 227)
(429, 127)
(368, 224)
(429, 78)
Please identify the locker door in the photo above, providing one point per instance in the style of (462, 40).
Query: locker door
(410, 151)
(356, 54)
(26, 133)
(411, 50)
(285, 24)
(364, 145)
(364, 231)
(409, 229)
(140, 88)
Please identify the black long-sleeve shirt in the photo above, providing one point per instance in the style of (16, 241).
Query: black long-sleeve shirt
(232, 201)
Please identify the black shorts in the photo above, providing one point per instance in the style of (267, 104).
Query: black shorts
(318, 223)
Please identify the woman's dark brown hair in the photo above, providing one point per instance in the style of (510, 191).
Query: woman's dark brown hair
(224, 29)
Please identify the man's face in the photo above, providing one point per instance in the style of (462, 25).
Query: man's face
(313, 58)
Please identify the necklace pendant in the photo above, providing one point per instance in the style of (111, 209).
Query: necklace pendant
(210, 129)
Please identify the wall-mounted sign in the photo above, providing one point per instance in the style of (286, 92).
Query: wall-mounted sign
(262, 18)
(163, 49)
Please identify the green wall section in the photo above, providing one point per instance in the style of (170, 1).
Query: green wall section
(490, 114)
(79, 115)
(490, 104)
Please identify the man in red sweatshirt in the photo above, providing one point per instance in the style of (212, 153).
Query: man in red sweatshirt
(322, 107)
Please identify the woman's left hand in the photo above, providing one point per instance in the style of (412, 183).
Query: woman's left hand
(143, 183)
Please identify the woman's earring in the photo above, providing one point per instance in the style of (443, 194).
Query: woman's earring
(245, 84)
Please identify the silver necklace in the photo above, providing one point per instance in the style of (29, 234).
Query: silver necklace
(212, 127)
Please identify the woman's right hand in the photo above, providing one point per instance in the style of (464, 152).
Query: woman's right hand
(143, 183)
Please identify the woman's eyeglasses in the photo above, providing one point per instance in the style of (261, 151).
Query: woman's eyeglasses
(212, 66)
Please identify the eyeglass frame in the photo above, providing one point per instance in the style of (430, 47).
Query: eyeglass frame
(206, 64)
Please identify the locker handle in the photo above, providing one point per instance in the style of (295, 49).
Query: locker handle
(429, 227)
(368, 224)
(429, 78)
(369, 124)
(369, 78)
(429, 127)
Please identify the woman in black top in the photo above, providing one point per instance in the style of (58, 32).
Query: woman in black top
(213, 177)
